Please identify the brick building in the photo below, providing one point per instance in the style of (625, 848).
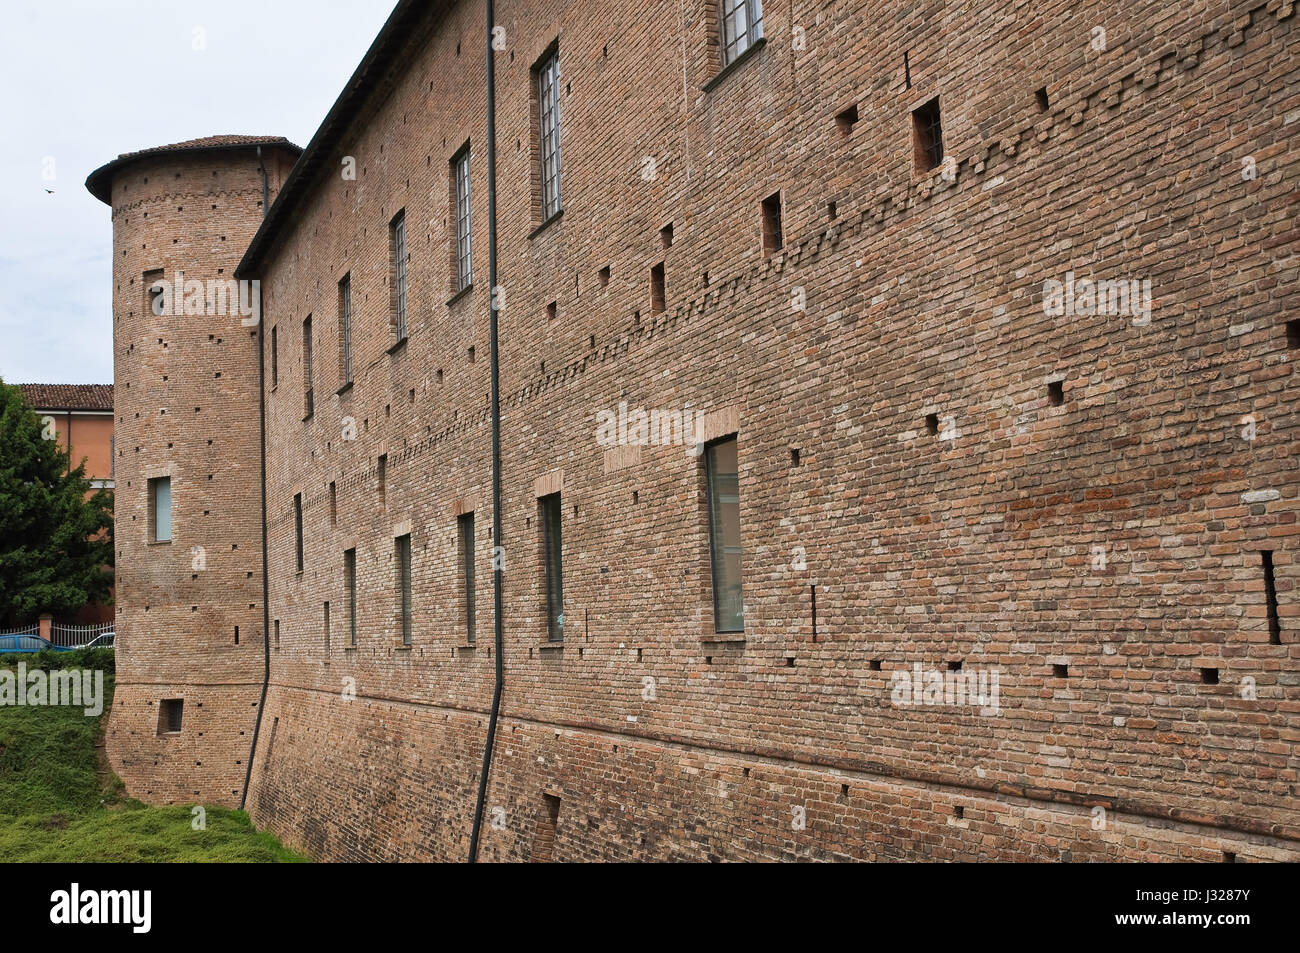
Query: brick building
(80, 418)
(849, 364)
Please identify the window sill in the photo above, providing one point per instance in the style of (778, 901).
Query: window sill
(550, 646)
(159, 542)
(344, 389)
(399, 345)
(402, 648)
(460, 294)
(545, 225)
(735, 64)
(466, 646)
(723, 637)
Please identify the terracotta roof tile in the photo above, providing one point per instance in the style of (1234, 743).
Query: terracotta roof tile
(100, 181)
(68, 396)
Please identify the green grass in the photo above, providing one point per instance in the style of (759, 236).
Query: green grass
(59, 803)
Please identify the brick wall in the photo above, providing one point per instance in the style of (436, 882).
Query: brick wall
(1099, 547)
(186, 405)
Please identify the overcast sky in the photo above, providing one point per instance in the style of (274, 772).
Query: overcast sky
(86, 80)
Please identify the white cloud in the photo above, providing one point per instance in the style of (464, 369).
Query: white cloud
(86, 80)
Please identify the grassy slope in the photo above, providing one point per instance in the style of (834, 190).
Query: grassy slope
(56, 805)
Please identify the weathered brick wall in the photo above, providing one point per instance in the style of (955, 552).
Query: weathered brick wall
(186, 406)
(1144, 683)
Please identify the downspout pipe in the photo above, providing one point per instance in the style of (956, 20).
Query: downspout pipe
(497, 567)
(266, 583)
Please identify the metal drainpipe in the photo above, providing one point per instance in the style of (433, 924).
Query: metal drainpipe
(266, 584)
(498, 607)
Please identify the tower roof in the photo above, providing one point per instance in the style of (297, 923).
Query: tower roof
(100, 182)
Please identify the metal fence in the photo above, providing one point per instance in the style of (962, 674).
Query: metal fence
(62, 638)
(79, 636)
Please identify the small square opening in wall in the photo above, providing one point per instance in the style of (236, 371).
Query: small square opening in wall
(846, 119)
(1293, 333)
(1040, 97)
(932, 424)
(1210, 676)
(794, 456)
(604, 277)
(666, 235)
(552, 310)
(170, 712)
(1060, 671)
(773, 236)
(954, 666)
(927, 136)
(1056, 393)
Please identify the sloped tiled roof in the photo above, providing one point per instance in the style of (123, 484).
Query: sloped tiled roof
(68, 396)
(100, 181)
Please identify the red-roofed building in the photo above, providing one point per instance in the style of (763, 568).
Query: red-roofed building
(80, 417)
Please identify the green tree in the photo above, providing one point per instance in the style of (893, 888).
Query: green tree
(56, 537)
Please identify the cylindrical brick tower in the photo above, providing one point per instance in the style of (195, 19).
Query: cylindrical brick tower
(188, 463)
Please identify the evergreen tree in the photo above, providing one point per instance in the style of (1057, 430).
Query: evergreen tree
(56, 537)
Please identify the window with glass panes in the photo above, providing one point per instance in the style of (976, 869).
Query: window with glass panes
(742, 27)
(722, 464)
(398, 229)
(345, 327)
(464, 258)
(548, 113)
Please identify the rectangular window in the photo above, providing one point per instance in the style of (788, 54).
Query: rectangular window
(398, 235)
(154, 300)
(722, 463)
(463, 264)
(403, 546)
(928, 136)
(658, 289)
(160, 509)
(552, 565)
(170, 714)
(297, 528)
(381, 473)
(275, 357)
(345, 328)
(773, 235)
(308, 374)
(465, 530)
(548, 132)
(742, 27)
(350, 584)
(327, 628)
